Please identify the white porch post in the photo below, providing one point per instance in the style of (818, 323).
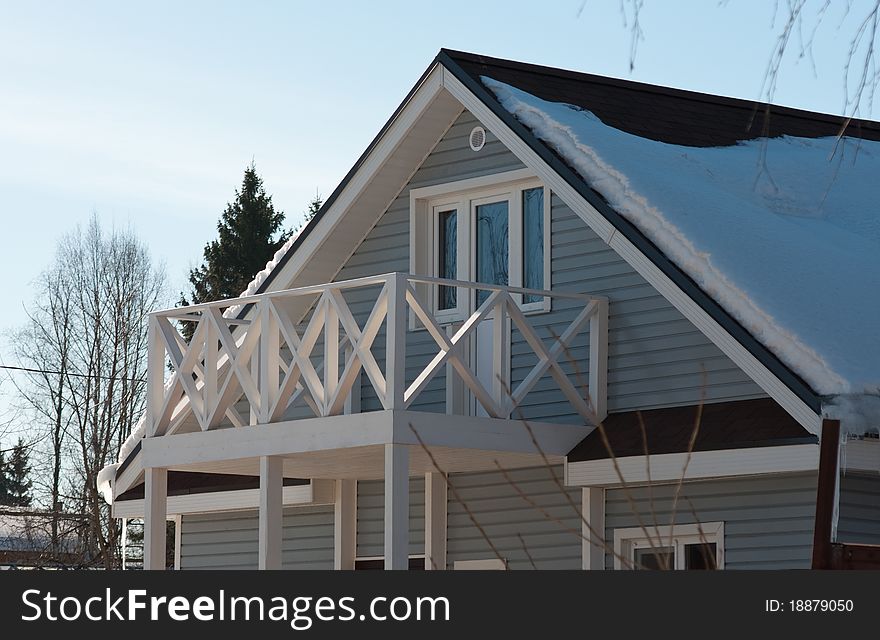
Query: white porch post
(270, 512)
(155, 512)
(124, 543)
(345, 525)
(593, 510)
(396, 506)
(435, 521)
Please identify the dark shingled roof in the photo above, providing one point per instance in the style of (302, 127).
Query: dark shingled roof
(181, 483)
(661, 113)
(723, 425)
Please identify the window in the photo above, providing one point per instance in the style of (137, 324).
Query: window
(490, 230)
(447, 255)
(533, 241)
(416, 563)
(491, 245)
(688, 547)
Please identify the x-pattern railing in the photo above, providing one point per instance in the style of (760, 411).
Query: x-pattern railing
(269, 360)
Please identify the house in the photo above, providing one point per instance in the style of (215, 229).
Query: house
(522, 255)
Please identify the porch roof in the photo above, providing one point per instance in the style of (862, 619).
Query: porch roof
(724, 425)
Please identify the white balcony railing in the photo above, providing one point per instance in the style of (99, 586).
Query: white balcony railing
(270, 361)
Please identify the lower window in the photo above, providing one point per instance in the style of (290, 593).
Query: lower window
(416, 563)
(688, 547)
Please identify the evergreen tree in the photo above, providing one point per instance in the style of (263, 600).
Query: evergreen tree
(4, 480)
(249, 234)
(17, 482)
(314, 206)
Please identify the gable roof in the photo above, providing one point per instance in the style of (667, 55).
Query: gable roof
(674, 116)
(565, 117)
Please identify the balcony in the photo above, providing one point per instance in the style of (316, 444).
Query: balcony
(366, 379)
(269, 366)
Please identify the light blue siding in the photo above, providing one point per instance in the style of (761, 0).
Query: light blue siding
(228, 540)
(768, 521)
(656, 357)
(859, 513)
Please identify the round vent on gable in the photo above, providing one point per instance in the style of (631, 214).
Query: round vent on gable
(477, 138)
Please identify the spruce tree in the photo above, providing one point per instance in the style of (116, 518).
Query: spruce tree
(18, 484)
(249, 234)
(313, 208)
(4, 479)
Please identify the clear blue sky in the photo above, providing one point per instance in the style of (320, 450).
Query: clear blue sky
(148, 112)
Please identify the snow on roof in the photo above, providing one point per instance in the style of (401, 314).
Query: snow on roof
(784, 233)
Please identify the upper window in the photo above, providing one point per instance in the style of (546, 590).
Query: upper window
(489, 230)
(690, 547)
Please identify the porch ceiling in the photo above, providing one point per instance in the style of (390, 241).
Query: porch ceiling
(353, 446)
(367, 463)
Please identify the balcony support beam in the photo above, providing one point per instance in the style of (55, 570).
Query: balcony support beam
(396, 506)
(155, 515)
(271, 505)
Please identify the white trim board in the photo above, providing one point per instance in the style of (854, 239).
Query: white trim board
(316, 492)
(731, 347)
(679, 535)
(672, 467)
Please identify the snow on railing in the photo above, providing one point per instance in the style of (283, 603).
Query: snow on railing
(272, 362)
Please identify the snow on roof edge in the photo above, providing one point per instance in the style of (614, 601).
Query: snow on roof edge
(615, 187)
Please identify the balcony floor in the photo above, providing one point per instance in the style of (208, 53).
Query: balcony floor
(353, 446)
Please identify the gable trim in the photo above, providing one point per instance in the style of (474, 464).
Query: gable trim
(775, 378)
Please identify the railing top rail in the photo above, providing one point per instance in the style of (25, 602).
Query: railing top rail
(498, 287)
(367, 281)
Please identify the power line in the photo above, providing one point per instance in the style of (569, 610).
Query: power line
(75, 375)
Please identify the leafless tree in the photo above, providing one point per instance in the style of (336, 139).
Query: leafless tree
(796, 25)
(43, 345)
(87, 338)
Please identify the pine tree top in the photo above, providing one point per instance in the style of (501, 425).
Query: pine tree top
(249, 233)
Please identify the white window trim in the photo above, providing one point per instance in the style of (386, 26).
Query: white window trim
(628, 540)
(489, 564)
(427, 203)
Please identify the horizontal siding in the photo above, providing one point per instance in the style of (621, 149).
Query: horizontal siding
(859, 513)
(657, 357)
(229, 540)
(547, 530)
(371, 517)
(768, 521)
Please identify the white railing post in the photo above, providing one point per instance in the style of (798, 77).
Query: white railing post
(500, 355)
(270, 352)
(395, 336)
(155, 376)
(599, 359)
(331, 354)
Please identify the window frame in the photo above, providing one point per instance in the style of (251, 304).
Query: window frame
(426, 205)
(627, 541)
